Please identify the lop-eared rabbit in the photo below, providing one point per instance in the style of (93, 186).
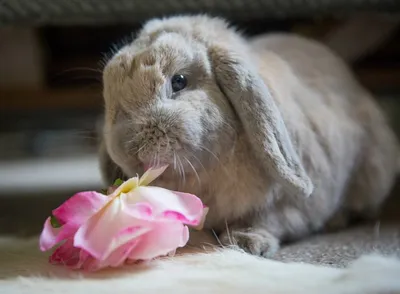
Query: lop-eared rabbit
(273, 133)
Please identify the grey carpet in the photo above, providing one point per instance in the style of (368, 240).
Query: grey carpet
(340, 248)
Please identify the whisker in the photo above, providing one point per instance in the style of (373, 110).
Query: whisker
(153, 160)
(173, 151)
(182, 170)
(97, 77)
(194, 170)
(217, 238)
(133, 139)
(158, 154)
(79, 78)
(82, 68)
(85, 135)
(141, 148)
(209, 151)
(179, 169)
(216, 157)
(199, 162)
(174, 161)
(231, 241)
(207, 245)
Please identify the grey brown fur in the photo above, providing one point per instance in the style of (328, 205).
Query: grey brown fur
(273, 133)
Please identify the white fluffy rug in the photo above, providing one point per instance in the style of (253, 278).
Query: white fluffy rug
(23, 269)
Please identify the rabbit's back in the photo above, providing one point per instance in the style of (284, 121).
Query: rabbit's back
(341, 135)
(314, 65)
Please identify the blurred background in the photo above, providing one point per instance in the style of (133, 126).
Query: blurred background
(51, 105)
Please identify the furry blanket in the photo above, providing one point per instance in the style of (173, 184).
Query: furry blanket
(345, 262)
(195, 269)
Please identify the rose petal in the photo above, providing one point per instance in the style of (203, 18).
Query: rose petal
(116, 259)
(51, 236)
(80, 207)
(165, 237)
(185, 236)
(84, 258)
(126, 187)
(48, 236)
(195, 214)
(140, 210)
(66, 254)
(101, 234)
(200, 225)
(151, 174)
(184, 207)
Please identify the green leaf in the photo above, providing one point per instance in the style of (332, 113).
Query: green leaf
(54, 222)
(118, 182)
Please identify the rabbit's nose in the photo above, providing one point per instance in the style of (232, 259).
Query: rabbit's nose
(155, 146)
(154, 135)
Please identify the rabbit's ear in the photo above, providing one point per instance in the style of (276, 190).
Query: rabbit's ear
(261, 119)
(109, 170)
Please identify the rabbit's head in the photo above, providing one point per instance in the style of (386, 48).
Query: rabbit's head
(180, 94)
(163, 105)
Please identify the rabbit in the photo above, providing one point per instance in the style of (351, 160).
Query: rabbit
(274, 133)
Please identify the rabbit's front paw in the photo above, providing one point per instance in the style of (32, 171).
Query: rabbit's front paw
(254, 241)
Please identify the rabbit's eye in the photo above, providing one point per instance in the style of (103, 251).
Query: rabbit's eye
(178, 83)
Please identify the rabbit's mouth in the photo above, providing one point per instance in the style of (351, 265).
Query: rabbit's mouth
(159, 143)
(156, 147)
(179, 160)
(161, 158)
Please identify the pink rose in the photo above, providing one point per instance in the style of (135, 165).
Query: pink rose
(133, 223)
